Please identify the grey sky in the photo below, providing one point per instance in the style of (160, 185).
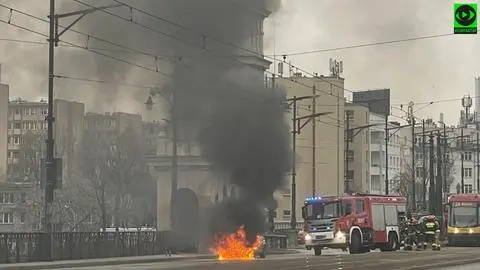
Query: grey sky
(426, 70)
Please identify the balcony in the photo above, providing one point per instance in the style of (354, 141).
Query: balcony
(375, 147)
(375, 170)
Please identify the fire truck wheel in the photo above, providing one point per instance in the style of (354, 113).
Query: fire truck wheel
(355, 244)
(318, 251)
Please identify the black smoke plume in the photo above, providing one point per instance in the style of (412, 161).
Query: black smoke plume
(220, 102)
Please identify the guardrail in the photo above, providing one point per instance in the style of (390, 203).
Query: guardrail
(33, 247)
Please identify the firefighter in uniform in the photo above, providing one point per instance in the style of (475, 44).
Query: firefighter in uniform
(431, 231)
(411, 232)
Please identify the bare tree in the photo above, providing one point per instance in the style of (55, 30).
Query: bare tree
(402, 182)
(115, 169)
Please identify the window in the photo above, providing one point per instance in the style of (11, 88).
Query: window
(285, 192)
(16, 140)
(359, 206)
(346, 207)
(467, 156)
(6, 217)
(349, 135)
(23, 197)
(22, 218)
(18, 125)
(6, 197)
(350, 155)
(468, 188)
(286, 213)
(349, 115)
(467, 172)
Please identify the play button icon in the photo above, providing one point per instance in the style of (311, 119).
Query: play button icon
(465, 15)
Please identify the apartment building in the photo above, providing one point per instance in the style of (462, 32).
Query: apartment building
(357, 148)
(3, 131)
(329, 141)
(379, 154)
(113, 124)
(18, 206)
(464, 155)
(27, 130)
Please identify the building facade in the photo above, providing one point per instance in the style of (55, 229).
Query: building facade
(3, 131)
(357, 148)
(379, 153)
(27, 131)
(18, 207)
(329, 141)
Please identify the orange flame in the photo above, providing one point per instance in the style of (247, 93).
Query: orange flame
(235, 246)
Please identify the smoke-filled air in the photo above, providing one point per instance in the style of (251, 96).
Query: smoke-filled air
(220, 102)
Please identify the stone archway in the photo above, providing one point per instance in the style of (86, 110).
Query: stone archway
(185, 217)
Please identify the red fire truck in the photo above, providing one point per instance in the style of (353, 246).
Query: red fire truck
(357, 222)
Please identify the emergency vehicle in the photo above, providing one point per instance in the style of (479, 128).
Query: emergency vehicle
(463, 224)
(358, 222)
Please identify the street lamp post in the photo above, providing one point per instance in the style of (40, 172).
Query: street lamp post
(297, 126)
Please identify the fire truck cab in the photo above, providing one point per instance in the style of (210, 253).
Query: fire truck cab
(358, 222)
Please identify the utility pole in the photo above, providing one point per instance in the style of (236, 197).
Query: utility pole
(293, 192)
(296, 129)
(347, 150)
(462, 185)
(424, 171)
(50, 155)
(412, 122)
(338, 145)
(51, 163)
(478, 164)
(431, 197)
(439, 182)
(314, 142)
(445, 161)
(386, 154)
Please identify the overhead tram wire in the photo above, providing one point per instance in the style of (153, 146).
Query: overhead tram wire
(368, 44)
(130, 20)
(66, 77)
(94, 50)
(258, 94)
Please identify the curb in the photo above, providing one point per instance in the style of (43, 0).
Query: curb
(119, 261)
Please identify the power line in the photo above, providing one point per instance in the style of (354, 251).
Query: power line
(105, 82)
(96, 52)
(203, 36)
(367, 44)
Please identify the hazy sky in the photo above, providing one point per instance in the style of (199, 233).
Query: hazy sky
(425, 70)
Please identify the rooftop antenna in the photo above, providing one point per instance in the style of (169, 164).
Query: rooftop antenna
(336, 68)
(467, 104)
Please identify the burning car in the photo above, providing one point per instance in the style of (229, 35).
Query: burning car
(235, 247)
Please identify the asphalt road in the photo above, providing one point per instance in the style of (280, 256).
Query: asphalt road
(400, 260)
